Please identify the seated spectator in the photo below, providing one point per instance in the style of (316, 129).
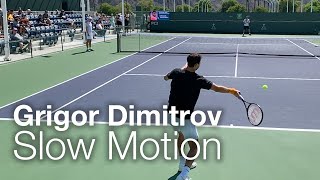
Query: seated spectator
(62, 14)
(99, 25)
(20, 11)
(45, 15)
(29, 12)
(16, 22)
(47, 21)
(71, 23)
(42, 21)
(24, 20)
(118, 20)
(15, 36)
(24, 23)
(97, 17)
(10, 16)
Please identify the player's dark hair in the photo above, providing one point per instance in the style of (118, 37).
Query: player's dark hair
(193, 58)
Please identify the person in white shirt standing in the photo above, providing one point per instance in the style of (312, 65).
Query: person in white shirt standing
(246, 26)
(89, 34)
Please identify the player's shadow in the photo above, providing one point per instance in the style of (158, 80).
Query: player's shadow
(77, 53)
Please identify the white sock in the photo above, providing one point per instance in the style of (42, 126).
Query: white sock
(182, 163)
(185, 172)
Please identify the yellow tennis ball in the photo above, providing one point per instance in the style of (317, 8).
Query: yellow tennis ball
(265, 87)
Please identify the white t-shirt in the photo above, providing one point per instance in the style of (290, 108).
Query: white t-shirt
(89, 30)
(246, 22)
(89, 27)
(98, 26)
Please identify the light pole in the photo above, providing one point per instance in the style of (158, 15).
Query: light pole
(123, 16)
(182, 2)
(83, 12)
(5, 30)
(293, 6)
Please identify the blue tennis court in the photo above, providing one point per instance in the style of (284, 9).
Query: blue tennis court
(285, 145)
(138, 79)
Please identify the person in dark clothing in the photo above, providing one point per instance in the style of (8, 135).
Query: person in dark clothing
(186, 85)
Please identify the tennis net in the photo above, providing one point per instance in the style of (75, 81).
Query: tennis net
(253, 46)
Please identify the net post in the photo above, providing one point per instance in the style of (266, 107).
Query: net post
(118, 40)
(139, 43)
(61, 42)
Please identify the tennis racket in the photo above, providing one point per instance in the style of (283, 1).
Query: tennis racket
(254, 112)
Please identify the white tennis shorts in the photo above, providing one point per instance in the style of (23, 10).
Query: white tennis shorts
(189, 130)
(89, 36)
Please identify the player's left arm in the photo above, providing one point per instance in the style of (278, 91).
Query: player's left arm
(166, 78)
(171, 75)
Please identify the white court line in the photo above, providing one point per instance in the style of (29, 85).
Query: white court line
(80, 75)
(208, 126)
(303, 49)
(239, 44)
(115, 78)
(316, 45)
(236, 67)
(232, 77)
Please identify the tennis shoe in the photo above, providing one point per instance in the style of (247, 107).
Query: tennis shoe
(181, 178)
(193, 166)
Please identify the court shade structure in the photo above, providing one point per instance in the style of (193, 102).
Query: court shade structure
(41, 5)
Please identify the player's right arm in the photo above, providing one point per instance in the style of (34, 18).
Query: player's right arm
(223, 89)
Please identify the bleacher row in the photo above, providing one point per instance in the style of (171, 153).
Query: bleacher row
(49, 34)
(61, 21)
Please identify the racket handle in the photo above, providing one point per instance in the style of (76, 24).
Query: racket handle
(240, 97)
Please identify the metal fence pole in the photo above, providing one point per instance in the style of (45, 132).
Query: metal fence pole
(61, 42)
(31, 48)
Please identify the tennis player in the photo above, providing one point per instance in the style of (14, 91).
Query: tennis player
(89, 34)
(185, 89)
(246, 26)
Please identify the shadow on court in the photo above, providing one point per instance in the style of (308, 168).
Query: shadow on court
(77, 53)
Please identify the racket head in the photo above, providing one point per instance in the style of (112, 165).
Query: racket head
(255, 114)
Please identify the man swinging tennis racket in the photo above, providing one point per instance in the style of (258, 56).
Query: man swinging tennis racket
(185, 89)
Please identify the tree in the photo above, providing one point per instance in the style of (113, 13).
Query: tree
(227, 4)
(108, 9)
(185, 8)
(283, 5)
(261, 9)
(236, 8)
(127, 7)
(315, 7)
(146, 5)
(158, 8)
